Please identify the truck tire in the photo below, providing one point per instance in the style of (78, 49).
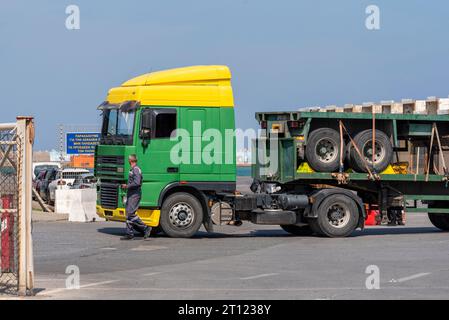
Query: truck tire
(181, 215)
(337, 216)
(384, 151)
(323, 150)
(440, 220)
(297, 230)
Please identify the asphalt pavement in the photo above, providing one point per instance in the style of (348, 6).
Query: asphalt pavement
(247, 262)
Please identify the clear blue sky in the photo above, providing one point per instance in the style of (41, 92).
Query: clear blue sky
(283, 54)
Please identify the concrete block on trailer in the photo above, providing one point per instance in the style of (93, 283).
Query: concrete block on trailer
(387, 106)
(357, 108)
(443, 106)
(432, 105)
(348, 108)
(420, 107)
(408, 106)
(331, 108)
(369, 107)
(322, 109)
(397, 108)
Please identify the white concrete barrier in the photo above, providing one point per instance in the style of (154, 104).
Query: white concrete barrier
(79, 204)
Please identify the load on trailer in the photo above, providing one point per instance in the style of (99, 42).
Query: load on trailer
(314, 171)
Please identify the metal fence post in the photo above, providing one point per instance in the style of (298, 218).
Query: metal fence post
(25, 132)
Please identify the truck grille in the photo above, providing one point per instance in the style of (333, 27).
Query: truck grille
(108, 169)
(116, 160)
(109, 195)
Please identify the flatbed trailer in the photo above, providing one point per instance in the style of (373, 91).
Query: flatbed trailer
(389, 191)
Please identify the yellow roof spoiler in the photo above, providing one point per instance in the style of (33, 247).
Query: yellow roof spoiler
(207, 86)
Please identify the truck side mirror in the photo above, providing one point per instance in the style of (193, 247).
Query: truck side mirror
(145, 126)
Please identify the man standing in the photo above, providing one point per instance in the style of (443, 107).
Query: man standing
(134, 194)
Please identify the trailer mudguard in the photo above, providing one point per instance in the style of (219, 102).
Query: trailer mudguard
(317, 197)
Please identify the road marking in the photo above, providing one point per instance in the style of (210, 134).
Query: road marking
(152, 274)
(412, 277)
(148, 248)
(259, 276)
(81, 287)
(108, 248)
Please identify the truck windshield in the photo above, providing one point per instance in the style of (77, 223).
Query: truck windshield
(118, 127)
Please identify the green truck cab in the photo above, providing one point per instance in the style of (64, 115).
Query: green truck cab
(329, 166)
(164, 118)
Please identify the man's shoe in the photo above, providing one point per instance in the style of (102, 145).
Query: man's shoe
(147, 234)
(127, 237)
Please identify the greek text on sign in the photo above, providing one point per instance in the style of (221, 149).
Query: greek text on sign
(82, 142)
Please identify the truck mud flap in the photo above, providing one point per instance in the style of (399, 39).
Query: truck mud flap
(273, 217)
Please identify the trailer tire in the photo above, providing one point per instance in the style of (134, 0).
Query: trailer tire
(181, 215)
(323, 150)
(298, 230)
(337, 216)
(440, 220)
(363, 141)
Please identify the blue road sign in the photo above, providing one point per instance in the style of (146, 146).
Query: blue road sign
(82, 142)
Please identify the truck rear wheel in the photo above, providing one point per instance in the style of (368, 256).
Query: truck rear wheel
(383, 151)
(297, 230)
(323, 150)
(338, 216)
(440, 220)
(181, 215)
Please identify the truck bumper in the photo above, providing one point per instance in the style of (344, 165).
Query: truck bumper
(149, 216)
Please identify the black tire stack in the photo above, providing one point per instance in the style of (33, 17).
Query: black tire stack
(323, 151)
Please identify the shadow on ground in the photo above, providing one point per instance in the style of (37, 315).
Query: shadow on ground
(270, 233)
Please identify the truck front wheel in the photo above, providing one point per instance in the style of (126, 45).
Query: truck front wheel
(338, 216)
(181, 215)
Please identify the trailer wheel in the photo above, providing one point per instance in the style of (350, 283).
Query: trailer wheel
(323, 150)
(440, 220)
(181, 215)
(383, 153)
(338, 216)
(297, 230)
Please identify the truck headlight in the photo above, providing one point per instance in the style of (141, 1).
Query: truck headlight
(124, 200)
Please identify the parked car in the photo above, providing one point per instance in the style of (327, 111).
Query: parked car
(38, 180)
(68, 178)
(85, 181)
(39, 166)
(50, 176)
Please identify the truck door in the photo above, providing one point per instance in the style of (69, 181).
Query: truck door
(153, 151)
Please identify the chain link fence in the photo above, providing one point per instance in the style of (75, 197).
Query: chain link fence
(9, 200)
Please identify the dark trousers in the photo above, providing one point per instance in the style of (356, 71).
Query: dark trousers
(133, 221)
